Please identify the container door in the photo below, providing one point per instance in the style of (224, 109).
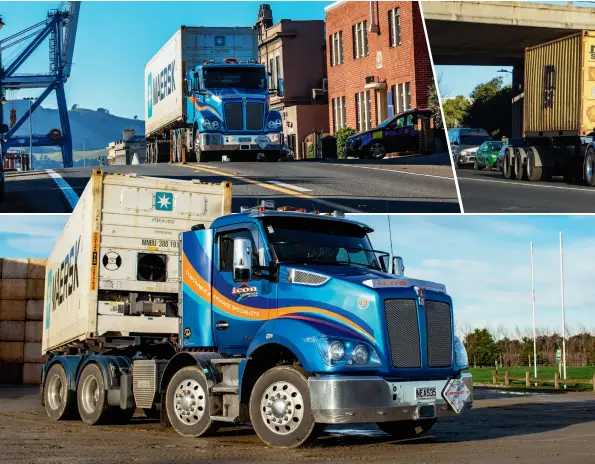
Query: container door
(240, 308)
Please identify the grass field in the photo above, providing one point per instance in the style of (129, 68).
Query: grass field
(484, 374)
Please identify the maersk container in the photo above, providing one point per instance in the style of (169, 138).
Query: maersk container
(560, 87)
(188, 48)
(113, 273)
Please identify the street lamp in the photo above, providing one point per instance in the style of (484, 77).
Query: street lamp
(30, 99)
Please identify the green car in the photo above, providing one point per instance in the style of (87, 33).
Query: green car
(486, 156)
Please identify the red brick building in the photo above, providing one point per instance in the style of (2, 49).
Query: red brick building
(377, 60)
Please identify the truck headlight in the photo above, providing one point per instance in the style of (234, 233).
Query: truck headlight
(275, 124)
(215, 125)
(461, 359)
(209, 124)
(344, 352)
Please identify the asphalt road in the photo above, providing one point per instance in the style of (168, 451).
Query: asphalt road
(489, 192)
(539, 429)
(423, 184)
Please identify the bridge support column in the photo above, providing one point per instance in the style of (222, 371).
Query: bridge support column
(518, 79)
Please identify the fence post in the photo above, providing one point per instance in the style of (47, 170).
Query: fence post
(495, 377)
(527, 379)
(557, 381)
(506, 379)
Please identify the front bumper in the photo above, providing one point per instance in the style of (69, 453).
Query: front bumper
(344, 400)
(244, 142)
(465, 158)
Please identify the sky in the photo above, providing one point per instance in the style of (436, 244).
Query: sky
(484, 261)
(461, 80)
(115, 39)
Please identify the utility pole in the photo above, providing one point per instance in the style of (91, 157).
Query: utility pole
(563, 316)
(533, 305)
(29, 99)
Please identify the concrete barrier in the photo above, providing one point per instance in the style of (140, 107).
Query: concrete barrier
(13, 289)
(12, 352)
(35, 289)
(13, 310)
(12, 331)
(32, 373)
(32, 353)
(33, 331)
(33, 310)
(14, 268)
(36, 269)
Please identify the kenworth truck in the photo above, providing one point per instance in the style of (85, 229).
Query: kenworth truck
(286, 319)
(207, 96)
(558, 113)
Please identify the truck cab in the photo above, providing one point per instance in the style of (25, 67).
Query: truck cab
(228, 104)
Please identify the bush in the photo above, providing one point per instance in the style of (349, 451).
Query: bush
(341, 136)
(310, 151)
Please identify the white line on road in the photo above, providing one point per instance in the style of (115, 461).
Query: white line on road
(523, 184)
(289, 186)
(67, 190)
(392, 170)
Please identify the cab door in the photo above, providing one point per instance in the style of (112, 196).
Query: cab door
(241, 301)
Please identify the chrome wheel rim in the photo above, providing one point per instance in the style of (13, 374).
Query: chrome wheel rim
(282, 408)
(377, 150)
(90, 394)
(530, 165)
(190, 401)
(56, 392)
(590, 167)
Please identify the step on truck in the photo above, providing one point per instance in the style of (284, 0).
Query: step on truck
(285, 319)
(558, 113)
(207, 97)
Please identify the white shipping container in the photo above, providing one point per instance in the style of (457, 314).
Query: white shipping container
(189, 47)
(119, 223)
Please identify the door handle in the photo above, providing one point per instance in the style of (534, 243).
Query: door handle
(221, 325)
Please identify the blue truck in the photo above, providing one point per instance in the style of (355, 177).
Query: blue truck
(287, 319)
(207, 96)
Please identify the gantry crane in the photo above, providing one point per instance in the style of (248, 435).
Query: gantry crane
(60, 27)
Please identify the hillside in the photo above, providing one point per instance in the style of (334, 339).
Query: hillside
(94, 129)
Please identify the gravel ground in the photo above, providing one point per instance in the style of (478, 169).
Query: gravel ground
(501, 428)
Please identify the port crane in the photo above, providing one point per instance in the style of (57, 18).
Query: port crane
(60, 28)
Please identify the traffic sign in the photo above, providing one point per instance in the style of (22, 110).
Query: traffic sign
(558, 355)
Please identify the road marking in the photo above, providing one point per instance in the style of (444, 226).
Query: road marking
(67, 190)
(277, 188)
(524, 184)
(290, 186)
(392, 170)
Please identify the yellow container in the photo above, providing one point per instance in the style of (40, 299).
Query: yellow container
(560, 87)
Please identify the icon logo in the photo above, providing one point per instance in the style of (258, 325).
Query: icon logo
(363, 302)
(164, 201)
(150, 95)
(187, 332)
(244, 291)
(219, 41)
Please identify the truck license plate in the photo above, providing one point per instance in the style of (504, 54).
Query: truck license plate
(425, 393)
(245, 139)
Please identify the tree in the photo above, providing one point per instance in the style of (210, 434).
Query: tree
(455, 111)
(135, 117)
(481, 348)
(491, 108)
(434, 105)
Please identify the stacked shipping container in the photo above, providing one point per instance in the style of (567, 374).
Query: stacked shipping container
(21, 312)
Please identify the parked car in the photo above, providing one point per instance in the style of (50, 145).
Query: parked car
(487, 155)
(464, 142)
(396, 134)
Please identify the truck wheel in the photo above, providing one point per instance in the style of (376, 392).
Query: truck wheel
(91, 396)
(59, 401)
(589, 169)
(506, 166)
(188, 403)
(534, 173)
(519, 167)
(406, 429)
(280, 408)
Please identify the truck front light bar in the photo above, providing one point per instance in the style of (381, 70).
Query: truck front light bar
(343, 352)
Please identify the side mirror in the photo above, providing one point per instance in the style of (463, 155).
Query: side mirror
(242, 260)
(384, 262)
(398, 266)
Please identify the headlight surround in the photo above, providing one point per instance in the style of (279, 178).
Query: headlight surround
(461, 358)
(210, 124)
(343, 352)
(275, 124)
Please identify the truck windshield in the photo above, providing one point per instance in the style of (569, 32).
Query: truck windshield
(318, 241)
(235, 77)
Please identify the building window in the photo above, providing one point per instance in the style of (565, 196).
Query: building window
(339, 113)
(271, 74)
(401, 97)
(363, 111)
(278, 67)
(394, 26)
(360, 40)
(336, 47)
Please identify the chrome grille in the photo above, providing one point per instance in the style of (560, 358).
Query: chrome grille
(297, 276)
(254, 116)
(403, 333)
(234, 116)
(438, 334)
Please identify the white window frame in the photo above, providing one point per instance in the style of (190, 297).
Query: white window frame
(363, 111)
(402, 97)
(360, 40)
(336, 47)
(394, 18)
(339, 113)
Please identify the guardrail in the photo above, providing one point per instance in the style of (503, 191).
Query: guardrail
(530, 381)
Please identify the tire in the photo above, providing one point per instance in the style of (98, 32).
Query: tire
(519, 167)
(534, 173)
(201, 156)
(191, 417)
(59, 401)
(272, 157)
(295, 426)
(376, 150)
(506, 166)
(589, 167)
(91, 396)
(475, 165)
(406, 429)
